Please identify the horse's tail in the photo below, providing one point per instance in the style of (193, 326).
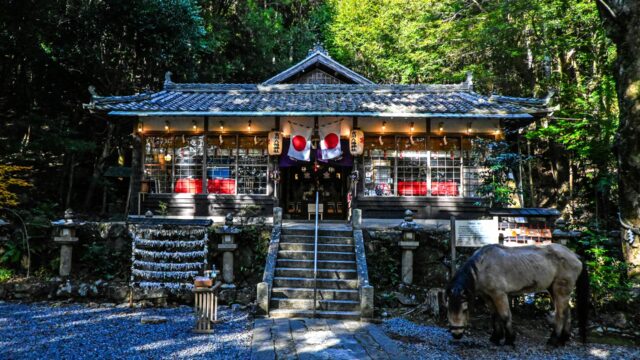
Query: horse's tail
(582, 300)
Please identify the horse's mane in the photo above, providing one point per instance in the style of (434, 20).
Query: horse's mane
(463, 284)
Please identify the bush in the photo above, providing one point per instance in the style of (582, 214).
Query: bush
(607, 272)
(5, 274)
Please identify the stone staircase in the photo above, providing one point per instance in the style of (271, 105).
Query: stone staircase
(292, 290)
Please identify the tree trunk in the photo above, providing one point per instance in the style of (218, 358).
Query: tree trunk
(136, 176)
(622, 23)
(99, 167)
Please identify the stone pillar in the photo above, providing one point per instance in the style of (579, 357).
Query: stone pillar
(408, 244)
(366, 302)
(228, 246)
(356, 220)
(277, 216)
(262, 298)
(407, 260)
(227, 266)
(66, 239)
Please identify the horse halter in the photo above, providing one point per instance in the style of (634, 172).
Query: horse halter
(453, 327)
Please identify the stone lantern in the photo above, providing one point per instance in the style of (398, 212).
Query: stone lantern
(228, 233)
(66, 238)
(408, 243)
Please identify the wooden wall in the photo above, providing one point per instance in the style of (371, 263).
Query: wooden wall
(393, 207)
(206, 205)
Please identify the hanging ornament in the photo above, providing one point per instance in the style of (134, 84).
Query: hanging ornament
(380, 140)
(220, 138)
(444, 141)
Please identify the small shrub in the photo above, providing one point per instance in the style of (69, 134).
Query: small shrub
(5, 274)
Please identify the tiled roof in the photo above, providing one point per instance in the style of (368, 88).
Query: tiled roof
(525, 212)
(454, 100)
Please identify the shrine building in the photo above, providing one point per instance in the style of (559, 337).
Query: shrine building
(211, 149)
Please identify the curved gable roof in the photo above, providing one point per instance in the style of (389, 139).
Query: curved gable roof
(318, 58)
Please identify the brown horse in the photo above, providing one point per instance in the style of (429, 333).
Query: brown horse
(494, 272)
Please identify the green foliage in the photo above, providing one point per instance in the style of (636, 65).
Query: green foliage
(9, 180)
(163, 208)
(100, 261)
(11, 253)
(497, 187)
(607, 273)
(383, 263)
(5, 274)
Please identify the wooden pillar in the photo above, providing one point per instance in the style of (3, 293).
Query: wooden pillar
(205, 154)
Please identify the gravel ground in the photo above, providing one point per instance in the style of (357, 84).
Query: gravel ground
(433, 342)
(43, 331)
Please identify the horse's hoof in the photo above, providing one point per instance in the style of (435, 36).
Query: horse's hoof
(494, 341)
(553, 341)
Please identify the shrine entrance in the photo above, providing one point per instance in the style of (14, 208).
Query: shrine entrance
(299, 185)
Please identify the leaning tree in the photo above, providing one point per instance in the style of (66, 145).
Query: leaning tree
(622, 23)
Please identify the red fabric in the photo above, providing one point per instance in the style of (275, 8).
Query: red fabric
(444, 188)
(412, 188)
(189, 186)
(221, 186)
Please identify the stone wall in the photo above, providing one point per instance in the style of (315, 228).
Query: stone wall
(431, 258)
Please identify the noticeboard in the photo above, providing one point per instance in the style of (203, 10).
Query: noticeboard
(476, 233)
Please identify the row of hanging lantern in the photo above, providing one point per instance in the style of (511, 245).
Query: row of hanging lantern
(194, 126)
(356, 136)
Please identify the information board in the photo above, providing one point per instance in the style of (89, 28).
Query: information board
(476, 233)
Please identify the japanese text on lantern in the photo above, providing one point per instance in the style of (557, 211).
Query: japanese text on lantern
(275, 142)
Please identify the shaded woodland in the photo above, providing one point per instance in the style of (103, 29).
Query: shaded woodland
(59, 155)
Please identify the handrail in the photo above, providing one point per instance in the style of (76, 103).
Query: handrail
(315, 260)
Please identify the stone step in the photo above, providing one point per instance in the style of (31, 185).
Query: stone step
(321, 232)
(322, 273)
(311, 246)
(299, 282)
(307, 304)
(322, 255)
(321, 239)
(291, 313)
(306, 293)
(322, 264)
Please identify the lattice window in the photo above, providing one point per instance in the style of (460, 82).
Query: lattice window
(446, 167)
(221, 164)
(473, 157)
(158, 164)
(187, 170)
(379, 162)
(253, 164)
(413, 160)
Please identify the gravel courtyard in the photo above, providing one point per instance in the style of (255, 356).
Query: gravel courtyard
(77, 331)
(433, 342)
(40, 331)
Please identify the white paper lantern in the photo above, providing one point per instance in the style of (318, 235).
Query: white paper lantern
(356, 142)
(275, 143)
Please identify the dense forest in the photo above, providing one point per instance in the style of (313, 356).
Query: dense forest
(54, 153)
(54, 50)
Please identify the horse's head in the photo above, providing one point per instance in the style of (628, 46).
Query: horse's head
(457, 311)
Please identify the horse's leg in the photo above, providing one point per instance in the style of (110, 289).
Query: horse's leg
(501, 302)
(561, 303)
(565, 335)
(498, 331)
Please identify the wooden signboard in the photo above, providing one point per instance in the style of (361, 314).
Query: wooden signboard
(476, 233)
